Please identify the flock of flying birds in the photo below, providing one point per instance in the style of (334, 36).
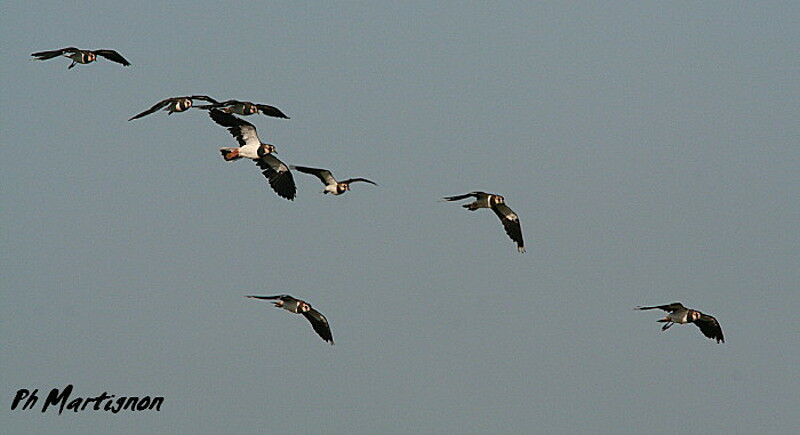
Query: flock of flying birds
(280, 178)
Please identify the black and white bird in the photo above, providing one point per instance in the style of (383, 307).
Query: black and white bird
(175, 104)
(497, 203)
(331, 185)
(245, 108)
(292, 305)
(677, 313)
(277, 172)
(81, 56)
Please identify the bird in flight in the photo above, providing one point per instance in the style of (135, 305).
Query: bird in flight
(81, 56)
(244, 108)
(292, 305)
(174, 104)
(677, 313)
(277, 173)
(508, 218)
(331, 185)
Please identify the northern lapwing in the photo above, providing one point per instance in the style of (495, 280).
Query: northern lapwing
(292, 305)
(81, 56)
(331, 185)
(245, 108)
(677, 313)
(175, 104)
(495, 202)
(278, 173)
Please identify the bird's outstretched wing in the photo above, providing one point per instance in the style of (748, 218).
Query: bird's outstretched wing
(271, 298)
(476, 195)
(279, 176)
(353, 180)
(675, 306)
(324, 175)
(225, 103)
(49, 54)
(244, 132)
(320, 324)
(710, 327)
(204, 98)
(271, 111)
(511, 224)
(161, 104)
(113, 56)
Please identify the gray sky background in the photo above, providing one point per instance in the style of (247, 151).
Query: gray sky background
(650, 149)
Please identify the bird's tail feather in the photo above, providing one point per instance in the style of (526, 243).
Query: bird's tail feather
(230, 153)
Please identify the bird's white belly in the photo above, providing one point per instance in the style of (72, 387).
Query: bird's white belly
(679, 317)
(78, 57)
(249, 151)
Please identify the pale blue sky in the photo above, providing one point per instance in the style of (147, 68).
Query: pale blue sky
(650, 149)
